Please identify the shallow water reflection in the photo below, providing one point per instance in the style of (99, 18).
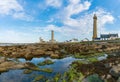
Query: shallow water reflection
(60, 65)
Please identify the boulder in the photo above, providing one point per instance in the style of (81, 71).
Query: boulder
(54, 56)
(92, 78)
(115, 71)
(49, 52)
(28, 57)
(1, 49)
(7, 65)
(38, 52)
(2, 59)
(118, 79)
(3, 70)
(31, 66)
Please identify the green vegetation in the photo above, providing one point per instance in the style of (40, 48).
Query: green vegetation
(38, 78)
(92, 59)
(46, 62)
(88, 58)
(48, 70)
(70, 76)
(94, 78)
(63, 51)
(57, 76)
(82, 55)
(34, 67)
(1, 55)
(27, 71)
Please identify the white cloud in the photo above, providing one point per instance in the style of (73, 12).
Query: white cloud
(54, 3)
(75, 7)
(74, 1)
(53, 27)
(80, 27)
(22, 16)
(9, 6)
(107, 19)
(50, 20)
(64, 30)
(13, 8)
(83, 26)
(14, 36)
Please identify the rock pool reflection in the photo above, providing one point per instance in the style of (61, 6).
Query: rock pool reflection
(60, 66)
(102, 57)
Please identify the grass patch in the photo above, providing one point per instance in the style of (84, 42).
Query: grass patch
(94, 59)
(81, 56)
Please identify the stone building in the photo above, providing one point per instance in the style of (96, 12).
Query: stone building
(108, 36)
(73, 40)
(41, 40)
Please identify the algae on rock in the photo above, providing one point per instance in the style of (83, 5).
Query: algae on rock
(46, 62)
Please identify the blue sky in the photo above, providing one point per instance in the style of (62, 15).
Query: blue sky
(24, 21)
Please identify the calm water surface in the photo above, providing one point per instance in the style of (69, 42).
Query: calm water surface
(60, 66)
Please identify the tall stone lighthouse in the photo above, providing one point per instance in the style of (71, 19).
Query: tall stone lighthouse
(52, 37)
(94, 27)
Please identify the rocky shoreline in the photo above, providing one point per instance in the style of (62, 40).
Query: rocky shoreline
(108, 70)
(56, 50)
(6, 65)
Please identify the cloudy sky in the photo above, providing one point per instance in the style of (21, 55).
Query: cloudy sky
(27, 20)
